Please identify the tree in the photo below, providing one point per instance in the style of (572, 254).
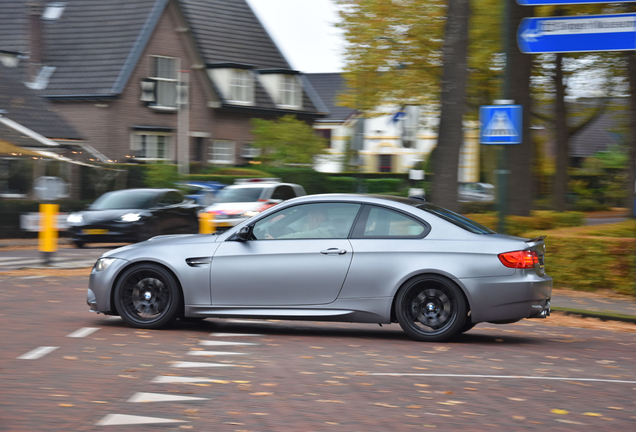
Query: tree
(453, 104)
(286, 141)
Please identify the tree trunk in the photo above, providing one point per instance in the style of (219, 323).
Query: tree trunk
(520, 158)
(562, 139)
(631, 73)
(453, 101)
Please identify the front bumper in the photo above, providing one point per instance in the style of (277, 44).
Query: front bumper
(106, 233)
(100, 284)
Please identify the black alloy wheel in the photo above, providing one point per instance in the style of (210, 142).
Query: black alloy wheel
(147, 296)
(431, 308)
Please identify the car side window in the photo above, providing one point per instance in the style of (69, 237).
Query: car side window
(171, 198)
(380, 222)
(283, 192)
(308, 221)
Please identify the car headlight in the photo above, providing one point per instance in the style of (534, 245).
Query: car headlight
(131, 217)
(103, 263)
(250, 213)
(75, 218)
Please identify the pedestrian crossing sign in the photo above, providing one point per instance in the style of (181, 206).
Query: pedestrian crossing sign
(500, 124)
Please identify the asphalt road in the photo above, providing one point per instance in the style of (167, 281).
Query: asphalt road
(63, 368)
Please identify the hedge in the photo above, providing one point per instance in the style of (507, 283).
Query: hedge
(592, 258)
(538, 220)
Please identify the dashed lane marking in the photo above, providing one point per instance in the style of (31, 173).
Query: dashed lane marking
(124, 419)
(499, 377)
(37, 353)
(213, 353)
(199, 365)
(160, 397)
(83, 332)
(224, 343)
(169, 379)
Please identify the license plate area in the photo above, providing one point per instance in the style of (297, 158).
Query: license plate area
(94, 231)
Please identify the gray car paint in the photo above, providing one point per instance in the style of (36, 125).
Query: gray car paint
(377, 269)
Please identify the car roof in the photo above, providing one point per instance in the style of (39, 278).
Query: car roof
(259, 185)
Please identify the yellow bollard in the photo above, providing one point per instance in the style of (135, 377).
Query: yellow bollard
(206, 223)
(47, 235)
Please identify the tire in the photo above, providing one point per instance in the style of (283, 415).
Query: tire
(467, 326)
(431, 308)
(147, 296)
(79, 244)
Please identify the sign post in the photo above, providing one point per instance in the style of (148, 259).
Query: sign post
(501, 124)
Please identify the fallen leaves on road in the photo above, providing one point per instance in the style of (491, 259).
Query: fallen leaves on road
(560, 319)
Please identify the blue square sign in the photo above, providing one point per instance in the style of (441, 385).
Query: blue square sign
(500, 124)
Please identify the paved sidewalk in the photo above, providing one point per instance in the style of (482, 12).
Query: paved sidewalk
(608, 305)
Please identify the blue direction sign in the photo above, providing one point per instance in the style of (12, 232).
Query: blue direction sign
(560, 2)
(500, 124)
(577, 34)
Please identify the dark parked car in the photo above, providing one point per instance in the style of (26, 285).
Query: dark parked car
(133, 215)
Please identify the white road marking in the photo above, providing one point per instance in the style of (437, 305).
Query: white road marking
(198, 364)
(160, 397)
(213, 353)
(224, 343)
(32, 277)
(37, 353)
(83, 332)
(161, 379)
(124, 419)
(499, 377)
(235, 335)
(114, 318)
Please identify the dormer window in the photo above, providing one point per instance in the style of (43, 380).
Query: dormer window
(234, 80)
(289, 91)
(283, 86)
(241, 86)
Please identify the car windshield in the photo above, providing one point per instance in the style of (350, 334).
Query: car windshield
(232, 195)
(456, 219)
(124, 200)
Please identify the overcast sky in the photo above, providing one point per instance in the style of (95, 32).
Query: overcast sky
(304, 31)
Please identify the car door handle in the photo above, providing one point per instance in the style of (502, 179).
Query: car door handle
(333, 251)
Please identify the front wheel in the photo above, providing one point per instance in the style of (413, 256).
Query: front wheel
(147, 296)
(431, 308)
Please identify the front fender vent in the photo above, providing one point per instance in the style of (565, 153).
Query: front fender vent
(199, 262)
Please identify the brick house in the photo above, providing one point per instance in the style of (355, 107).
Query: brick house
(118, 72)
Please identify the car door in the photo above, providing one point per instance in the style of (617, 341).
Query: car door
(282, 267)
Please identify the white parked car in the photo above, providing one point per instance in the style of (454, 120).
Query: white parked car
(248, 197)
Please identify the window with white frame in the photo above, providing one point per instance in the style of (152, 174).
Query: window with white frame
(250, 152)
(151, 146)
(165, 76)
(290, 93)
(241, 86)
(221, 152)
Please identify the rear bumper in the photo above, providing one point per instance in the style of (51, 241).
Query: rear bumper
(525, 295)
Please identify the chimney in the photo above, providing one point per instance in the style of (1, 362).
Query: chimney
(36, 40)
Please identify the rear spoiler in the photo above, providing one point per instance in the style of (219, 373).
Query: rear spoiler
(536, 239)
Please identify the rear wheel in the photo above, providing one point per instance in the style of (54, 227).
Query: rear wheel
(431, 308)
(79, 244)
(147, 296)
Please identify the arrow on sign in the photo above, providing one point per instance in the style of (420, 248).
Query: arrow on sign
(577, 34)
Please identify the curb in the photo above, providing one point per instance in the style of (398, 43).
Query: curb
(603, 316)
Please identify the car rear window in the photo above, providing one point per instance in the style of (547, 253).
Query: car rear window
(233, 195)
(124, 200)
(456, 219)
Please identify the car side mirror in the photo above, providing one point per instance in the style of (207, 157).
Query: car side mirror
(244, 234)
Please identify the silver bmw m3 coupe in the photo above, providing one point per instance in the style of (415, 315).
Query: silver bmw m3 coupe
(352, 258)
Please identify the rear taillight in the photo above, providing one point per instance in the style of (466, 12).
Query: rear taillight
(519, 259)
